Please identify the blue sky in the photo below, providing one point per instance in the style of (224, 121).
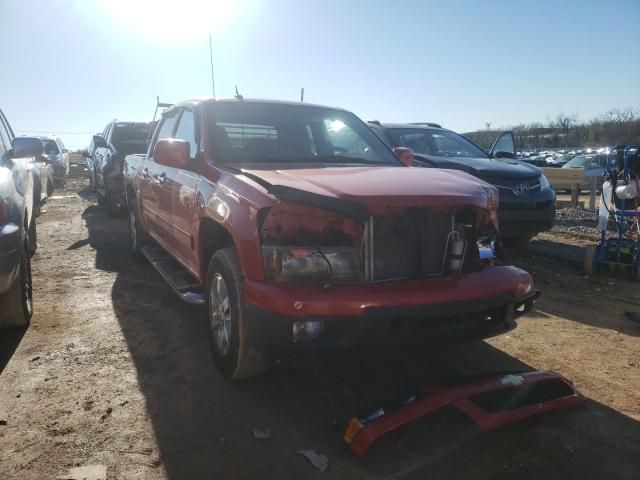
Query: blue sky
(71, 66)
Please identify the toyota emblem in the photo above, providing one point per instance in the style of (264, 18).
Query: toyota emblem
(520, 189)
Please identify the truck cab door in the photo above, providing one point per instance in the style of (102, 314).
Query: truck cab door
(151, 188)
(177, 193)
(504, 146)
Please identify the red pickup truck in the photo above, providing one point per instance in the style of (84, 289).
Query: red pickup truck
(305, 235)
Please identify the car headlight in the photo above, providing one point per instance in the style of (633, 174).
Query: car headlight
(544, 183)
(312, 264)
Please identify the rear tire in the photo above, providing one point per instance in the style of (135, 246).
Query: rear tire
(589, 260)
(16, 305)
(229, 330)
(137, 236)
(92, 181)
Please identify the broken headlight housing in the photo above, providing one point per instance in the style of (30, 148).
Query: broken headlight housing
(312, 264)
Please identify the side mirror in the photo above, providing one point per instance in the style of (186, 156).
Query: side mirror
(172, 152)
(24, 147)
(99, 142)
(405, 155)
(65, 150)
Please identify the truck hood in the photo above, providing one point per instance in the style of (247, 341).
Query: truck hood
(484, 167)
(380, 187)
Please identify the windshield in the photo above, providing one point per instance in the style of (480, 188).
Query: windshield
(578, 162)
(257, 133)
(439, 143)
(50, 147)
(130, 133)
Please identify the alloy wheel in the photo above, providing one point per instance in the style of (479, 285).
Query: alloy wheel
(220, 314)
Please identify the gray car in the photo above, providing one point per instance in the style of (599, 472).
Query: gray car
(17, 224)
(58, 156)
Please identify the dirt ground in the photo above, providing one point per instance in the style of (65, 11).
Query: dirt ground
(115, 370)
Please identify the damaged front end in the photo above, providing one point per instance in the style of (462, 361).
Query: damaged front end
(391, 277)
(303, 243)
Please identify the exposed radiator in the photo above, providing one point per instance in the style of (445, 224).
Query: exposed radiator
(411, 244)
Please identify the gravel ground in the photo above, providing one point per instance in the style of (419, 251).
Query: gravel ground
(115, 371)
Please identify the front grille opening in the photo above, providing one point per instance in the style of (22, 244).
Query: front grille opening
(417, 243)
(517, 397)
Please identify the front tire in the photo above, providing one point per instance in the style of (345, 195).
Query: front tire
(33, 238)
(229, 330)
(16, 305)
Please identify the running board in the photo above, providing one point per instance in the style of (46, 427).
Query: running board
(178, 278)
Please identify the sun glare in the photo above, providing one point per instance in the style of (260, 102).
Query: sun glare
(177, 20)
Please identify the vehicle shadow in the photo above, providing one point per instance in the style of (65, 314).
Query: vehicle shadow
(203, 423)
(108, 237)
(9, 340)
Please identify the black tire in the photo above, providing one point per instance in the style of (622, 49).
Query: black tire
(234, 363)
(137, 237)
(33, 238)
(520, 241)
(16, 305)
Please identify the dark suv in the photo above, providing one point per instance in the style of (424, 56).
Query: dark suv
(118, 140)
(527, 202)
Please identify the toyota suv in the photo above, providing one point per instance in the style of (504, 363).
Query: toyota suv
(527, 201)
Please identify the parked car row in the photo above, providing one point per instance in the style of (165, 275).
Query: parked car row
(559, 157)
(308, 233)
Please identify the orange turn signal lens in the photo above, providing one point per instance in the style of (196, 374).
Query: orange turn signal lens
(352, 430)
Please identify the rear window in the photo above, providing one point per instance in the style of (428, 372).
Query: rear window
(50, 147)
(128, 132)
(258, 133)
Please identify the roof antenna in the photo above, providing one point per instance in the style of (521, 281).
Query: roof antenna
(213, 84)
(302, 95)
(238, 96)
